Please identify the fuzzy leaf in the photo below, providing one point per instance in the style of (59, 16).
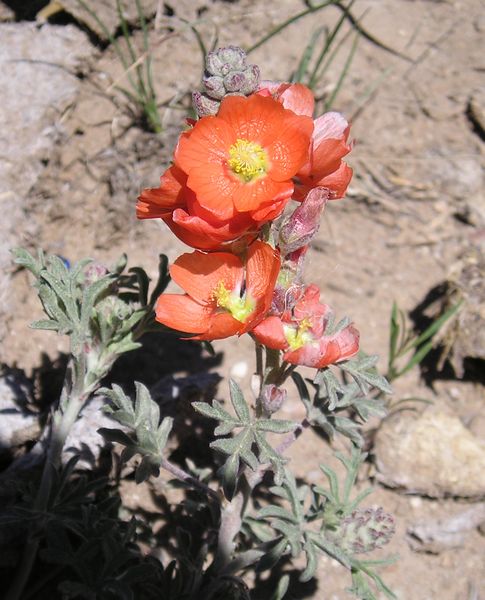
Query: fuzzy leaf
(229, 476)
(237, 399)
(275, 425)
(362, 369)
(332, 386)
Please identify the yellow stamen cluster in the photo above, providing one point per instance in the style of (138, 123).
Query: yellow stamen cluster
(247, 160)
(240, 308)
(299, 336)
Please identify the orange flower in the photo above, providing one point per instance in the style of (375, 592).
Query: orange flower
(224, 295)
(302, 333)
(325, 167)
(232, 172)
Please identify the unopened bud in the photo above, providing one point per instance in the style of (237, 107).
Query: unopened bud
(94, 272)
(204, 106)
(215, 87)
(252, 77)
(300, 227)
(223, 60)
(272, 398)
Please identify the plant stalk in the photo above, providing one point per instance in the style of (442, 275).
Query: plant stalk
(62, 421)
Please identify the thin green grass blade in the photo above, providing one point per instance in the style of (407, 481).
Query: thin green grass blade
(394, 333)
(329, 102)
(141, 90)
(328, 43)
(433, 328)
(302, 67)
(288, 22)
(369, 92)
(146, 47)
(112, 40)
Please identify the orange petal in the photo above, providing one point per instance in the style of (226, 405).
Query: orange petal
(264, 191)
(269, 211)
(270, 333)
(221, 325)
(298, 98)
(215, 189)
(262, 268)
(255, 118)
(200, 274)
(160, 202)
(339, 347)
(289, 149)
(180, 312)
(338, 181)
(331, 125)
(207, 143)
(187, 230)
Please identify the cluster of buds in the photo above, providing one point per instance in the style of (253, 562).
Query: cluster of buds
(364, 530)
(227, 73)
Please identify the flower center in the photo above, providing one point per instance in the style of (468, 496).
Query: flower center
(298, 336)
(240, 308)
(247, 159)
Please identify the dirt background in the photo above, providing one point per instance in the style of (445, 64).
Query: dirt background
(414, 210)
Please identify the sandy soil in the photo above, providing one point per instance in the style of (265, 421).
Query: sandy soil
(414, 207)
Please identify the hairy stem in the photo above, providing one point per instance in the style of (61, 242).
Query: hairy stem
(187, 478)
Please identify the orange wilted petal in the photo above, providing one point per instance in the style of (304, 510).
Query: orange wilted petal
(160, 202)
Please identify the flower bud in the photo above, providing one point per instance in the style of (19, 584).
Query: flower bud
(93, 272)
(204, 105)
(252, 76)
(301, 226)
(234, 81)
(223, 60)
(215, 87)
(272, 398)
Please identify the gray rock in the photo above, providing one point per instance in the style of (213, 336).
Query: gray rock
(432, 454)
(437, 535)
(18, 424)
(37, 84)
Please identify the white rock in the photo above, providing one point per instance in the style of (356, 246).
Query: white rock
(432, 454)
(239, 369)
(17, 424)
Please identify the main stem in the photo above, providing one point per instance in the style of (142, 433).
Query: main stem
(62, 421)
(233, 512)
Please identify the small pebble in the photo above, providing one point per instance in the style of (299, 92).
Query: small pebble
(239, 369)
(415, 502)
